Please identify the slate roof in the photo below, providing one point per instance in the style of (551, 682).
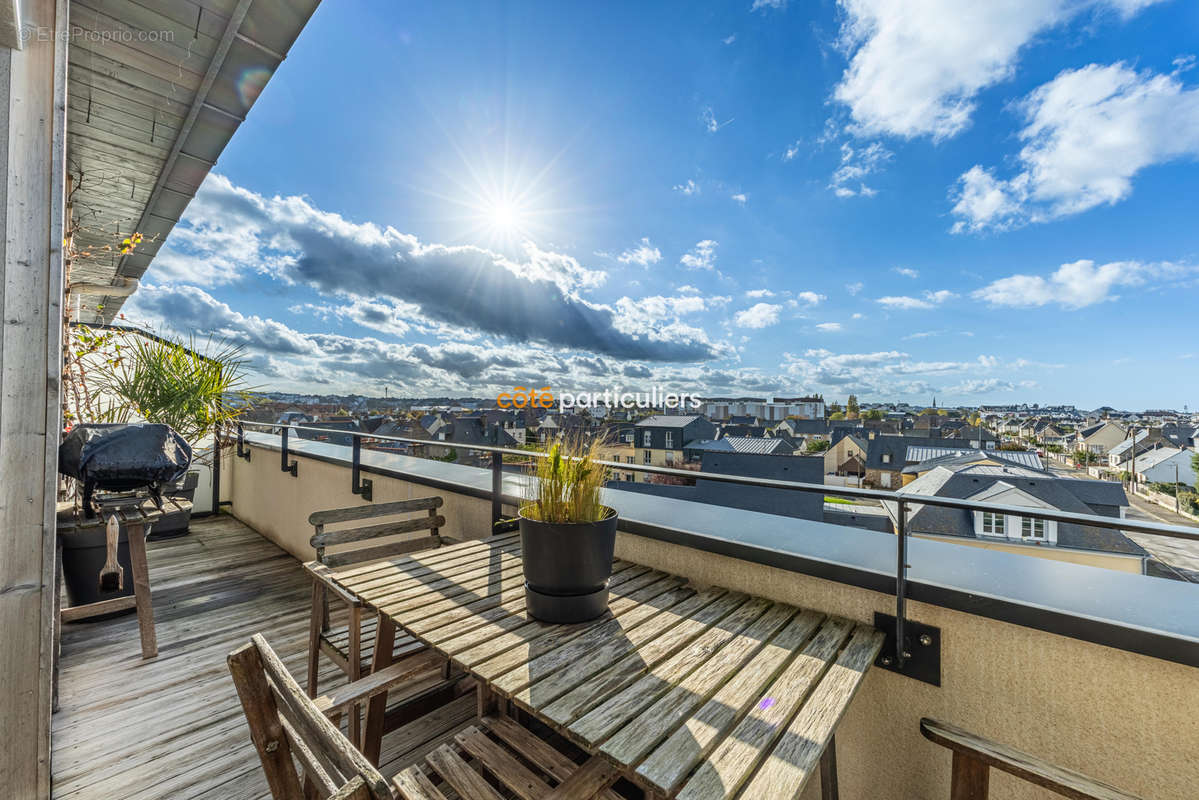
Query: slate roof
(667, 421)
(964, 482)
(897, 448)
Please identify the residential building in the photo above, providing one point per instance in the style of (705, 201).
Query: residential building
(1013, 485)
(847, 455)
(1097, 439)
(1166, 465)
(659, 440)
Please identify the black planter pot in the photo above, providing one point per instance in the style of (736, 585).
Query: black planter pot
(567, 567)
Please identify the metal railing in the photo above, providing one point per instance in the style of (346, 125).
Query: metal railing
(902, 501)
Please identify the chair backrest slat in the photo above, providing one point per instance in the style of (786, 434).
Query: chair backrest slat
(323, 539)
(334, 560)
(271, 690)
(375, 510)
(314, 770)
(350, 535)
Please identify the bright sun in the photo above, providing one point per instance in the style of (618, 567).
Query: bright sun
(506, 217)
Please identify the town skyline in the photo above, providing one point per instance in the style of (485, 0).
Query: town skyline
(776, 199)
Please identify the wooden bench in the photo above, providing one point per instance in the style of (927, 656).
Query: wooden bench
(974, 756)
(287, 726)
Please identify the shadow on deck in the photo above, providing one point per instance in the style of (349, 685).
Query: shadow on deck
(172, 727)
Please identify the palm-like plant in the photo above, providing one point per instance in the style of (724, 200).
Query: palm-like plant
(194, 390)
(568, 483)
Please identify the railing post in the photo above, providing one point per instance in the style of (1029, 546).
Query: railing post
(901, 580)
(497, 484)
(284, 465)
(357, 485)
(242, 452)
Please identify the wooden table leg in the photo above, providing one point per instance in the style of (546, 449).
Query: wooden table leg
(828, 771)
(141, 588)
(970, 778)
(372, 739)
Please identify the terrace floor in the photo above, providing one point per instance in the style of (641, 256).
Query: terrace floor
(172, 727)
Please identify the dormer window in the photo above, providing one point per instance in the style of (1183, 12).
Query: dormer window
(886, 458)
(1031, 528)
(669, 440)
(647, 439)
(994, 524)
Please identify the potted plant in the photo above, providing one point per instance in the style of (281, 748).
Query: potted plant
(567, 535)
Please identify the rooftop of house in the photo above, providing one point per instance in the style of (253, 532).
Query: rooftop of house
(967, 481)
(668, 421)
(744, 444)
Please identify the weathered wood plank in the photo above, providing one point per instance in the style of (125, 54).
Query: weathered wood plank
(453, 621)
(703, 730)
(592, 649)
(360, 534)
(597, 688)
(789, 767)
(458, 774)
(599, 723)
(414, 784)
(357, 556)
(353, 513)
(735, 758)
(520, 780)
(527, 642)
(654, 723)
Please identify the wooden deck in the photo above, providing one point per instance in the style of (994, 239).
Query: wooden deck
(172, 727)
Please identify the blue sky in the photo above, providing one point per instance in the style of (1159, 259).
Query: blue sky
(727, 198)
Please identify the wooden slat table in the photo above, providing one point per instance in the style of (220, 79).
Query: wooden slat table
(694, 691)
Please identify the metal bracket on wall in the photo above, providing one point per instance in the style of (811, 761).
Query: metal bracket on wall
(921, 649)
(359, 485)
(242, 452)
(285, 464)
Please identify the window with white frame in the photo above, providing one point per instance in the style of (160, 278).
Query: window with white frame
(886, 458)
(1032, 528)
(646, 439)
(645, 457)
(669, 440)
(994, 524)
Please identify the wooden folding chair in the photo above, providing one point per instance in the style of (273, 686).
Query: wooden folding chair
(486, 761)
(351, 646)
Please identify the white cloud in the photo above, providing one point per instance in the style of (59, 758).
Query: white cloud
(906, 272)
(829, 327)
(792, 151)
(688, 289)
(809, 298)
(756, 293)
(854, 288)
(915, 69)
(732, 37)
(643, 254)
(1087, 133)
(856, 164)
(689, 188)
(534, 297)
(1077, 284)
(741, 198)
(702, 256)
(760, 315)
(762, 5)
(906, 303)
